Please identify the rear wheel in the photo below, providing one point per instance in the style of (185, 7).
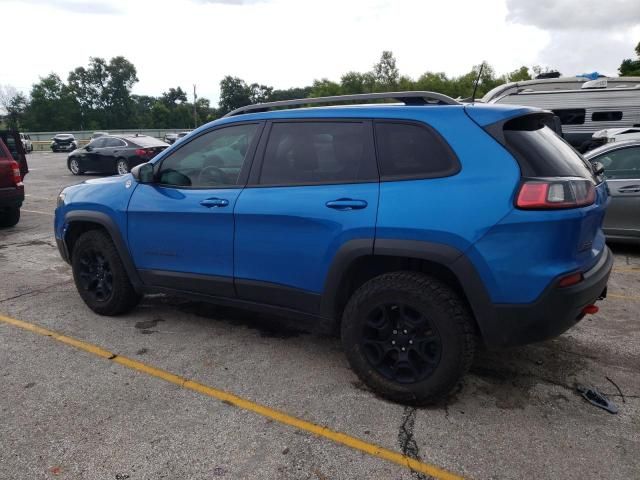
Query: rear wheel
(408, 336)
(100, 276)
(9, 217)
(74, 167)
(122, 166)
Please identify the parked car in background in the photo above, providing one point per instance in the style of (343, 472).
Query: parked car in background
(98, 135)
(378, 221)
(170, 137)
(27, 144)
(181, 135)
(621, 162)
(609, 135)
(13, 168)
(114, 154)
(63, 142)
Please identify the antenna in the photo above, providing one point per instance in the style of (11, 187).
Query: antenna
(475, 87)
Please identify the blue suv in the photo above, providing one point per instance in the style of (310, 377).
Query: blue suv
(415, 229)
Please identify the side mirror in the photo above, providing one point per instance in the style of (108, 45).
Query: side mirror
(143, 173)
(598, 168)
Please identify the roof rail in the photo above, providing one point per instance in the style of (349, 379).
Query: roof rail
(408, 98)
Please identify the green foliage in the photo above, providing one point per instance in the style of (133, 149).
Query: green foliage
(629, 67)
(519, 75)
(53, 106)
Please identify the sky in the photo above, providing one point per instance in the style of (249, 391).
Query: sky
(289, 43)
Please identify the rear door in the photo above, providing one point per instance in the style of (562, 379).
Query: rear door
(113, 149)
(12, 141)
(622, 170)
(313, 188)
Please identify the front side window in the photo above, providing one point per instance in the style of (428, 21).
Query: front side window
(300, 153)
(98, 143)
(412, 151)
(213, 159)
(621, 164)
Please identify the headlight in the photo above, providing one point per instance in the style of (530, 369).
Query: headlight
(61, 197)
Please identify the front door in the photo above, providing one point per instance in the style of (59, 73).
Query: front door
(315, 189)
(622, 169)
(181, 227)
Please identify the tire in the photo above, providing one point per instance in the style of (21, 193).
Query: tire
(74, 167)
(408, 336)
(100, 276)
(122, 167)
(9, 217)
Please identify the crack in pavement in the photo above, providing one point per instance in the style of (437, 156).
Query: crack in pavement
(408, 444)
(36, 291)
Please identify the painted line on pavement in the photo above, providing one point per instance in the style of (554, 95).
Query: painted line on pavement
(229, 398)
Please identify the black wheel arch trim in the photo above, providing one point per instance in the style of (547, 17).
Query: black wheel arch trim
(445, 255)
(102, 219)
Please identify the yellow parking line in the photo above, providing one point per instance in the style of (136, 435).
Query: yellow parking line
(623, 297)
(625, 270)
(276, 415)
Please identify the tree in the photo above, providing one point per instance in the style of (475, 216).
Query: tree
(14, 104)
(519, 75)
(325, 88)
(356, 82)
(259, 93)
(234, 93)
(103, 91)
(629, 67)
(385, 71)
(53, 106)
(173, 97)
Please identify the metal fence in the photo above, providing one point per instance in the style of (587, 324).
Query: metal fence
(42, 140)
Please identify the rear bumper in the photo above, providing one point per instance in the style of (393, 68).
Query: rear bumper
(557, 309)
(11, 197)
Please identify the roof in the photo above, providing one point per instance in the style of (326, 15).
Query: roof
(611, 146)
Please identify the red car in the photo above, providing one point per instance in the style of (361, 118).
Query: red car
(13, 168)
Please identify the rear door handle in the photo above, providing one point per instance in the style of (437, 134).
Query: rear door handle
(214, 202)
(346, 204)
(630, 189)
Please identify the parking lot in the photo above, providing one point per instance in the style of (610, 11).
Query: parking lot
(71, 410)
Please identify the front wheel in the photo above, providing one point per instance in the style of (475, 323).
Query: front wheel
(122, 166)
(100, 276)
(74, 167)
(408, 336)
(9, 217)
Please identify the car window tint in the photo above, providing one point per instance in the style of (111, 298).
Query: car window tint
(570, 116)
(114, 142)
(414, 151)
(299, 153)
(99, 142)
(211, 160)
(621, 164)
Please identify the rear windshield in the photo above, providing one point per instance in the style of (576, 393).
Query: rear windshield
(541, 152)
(4, 151)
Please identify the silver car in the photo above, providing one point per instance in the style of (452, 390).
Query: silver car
(621, 161)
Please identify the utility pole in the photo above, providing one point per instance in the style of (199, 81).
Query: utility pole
(195, 112)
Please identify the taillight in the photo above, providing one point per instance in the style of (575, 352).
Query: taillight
(17, 176)
(569, 280)
(542, 194)
(141, 152)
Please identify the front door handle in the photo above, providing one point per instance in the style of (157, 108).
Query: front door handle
(214, 202)
(346, 204)
(630, 189)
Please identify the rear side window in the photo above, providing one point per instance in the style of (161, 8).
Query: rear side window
(606, 116)
(408, 150)
(114, 142)
(571, 116)
(541, 152)
(301, 153)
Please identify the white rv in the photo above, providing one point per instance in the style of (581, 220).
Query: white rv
(584, 106)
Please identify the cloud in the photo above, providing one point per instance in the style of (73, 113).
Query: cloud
(79, 6)
(562, 15)
(231, 2)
